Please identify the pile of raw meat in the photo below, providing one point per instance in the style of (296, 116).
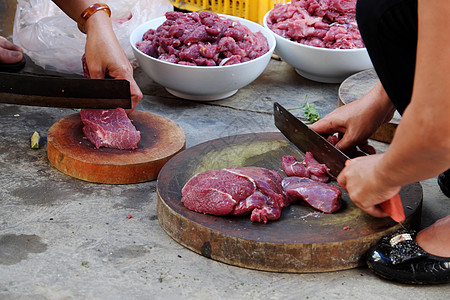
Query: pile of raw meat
(260, 192)
(202, 39)
(318, 23)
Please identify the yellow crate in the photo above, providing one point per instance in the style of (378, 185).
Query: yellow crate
(253, 10)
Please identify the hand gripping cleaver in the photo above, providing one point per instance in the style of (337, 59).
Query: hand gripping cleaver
(53, 91)
(308, 140)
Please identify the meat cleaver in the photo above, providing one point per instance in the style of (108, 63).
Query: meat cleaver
(53, 91)
(307, 140)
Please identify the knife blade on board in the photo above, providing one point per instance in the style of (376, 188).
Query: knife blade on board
(307, 140)
(63, 92)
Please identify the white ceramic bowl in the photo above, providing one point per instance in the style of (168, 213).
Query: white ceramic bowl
(202, 83)
(320, 64)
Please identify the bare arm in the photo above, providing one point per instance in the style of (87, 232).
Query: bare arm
(358, 120)
(421, 145)
(104, 55)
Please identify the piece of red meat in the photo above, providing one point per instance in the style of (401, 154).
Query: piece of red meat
(109, 128)
(292, 167)
(318, 172)
(321, 196)
(236, 191)
(309, 167)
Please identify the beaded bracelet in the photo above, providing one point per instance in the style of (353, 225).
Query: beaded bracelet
(88, 12)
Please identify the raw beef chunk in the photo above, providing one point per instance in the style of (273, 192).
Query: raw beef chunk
(321, 196)
(293, 167)
(236, 191)
(202, 39)
(309, 167)
(318, 23)
(109, 128)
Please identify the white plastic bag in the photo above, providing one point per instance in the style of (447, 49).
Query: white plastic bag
(52, 40)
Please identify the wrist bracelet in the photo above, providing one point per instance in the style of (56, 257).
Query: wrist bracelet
(88, 12)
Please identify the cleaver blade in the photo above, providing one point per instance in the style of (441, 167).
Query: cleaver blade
(307, 140)
(63, 92)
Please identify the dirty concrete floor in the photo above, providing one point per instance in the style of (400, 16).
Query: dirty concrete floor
(63, 238)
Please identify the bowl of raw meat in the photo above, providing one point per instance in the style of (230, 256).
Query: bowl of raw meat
(320, 39)
(202, 56)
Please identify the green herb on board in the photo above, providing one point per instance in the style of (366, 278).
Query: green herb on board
(310, 112)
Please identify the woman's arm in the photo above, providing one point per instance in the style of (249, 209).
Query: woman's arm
(420, 148)
(104, 55)
(358, 120)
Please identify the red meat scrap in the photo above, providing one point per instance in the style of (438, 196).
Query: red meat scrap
(236, 191)
(321, 196)
(109, 128)
(308, 168)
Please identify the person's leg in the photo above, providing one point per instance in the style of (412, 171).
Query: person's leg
(435, 239)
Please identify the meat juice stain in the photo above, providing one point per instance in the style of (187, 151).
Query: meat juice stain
(206, 249)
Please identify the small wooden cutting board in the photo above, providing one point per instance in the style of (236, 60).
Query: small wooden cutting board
(356, 86)
(302, 240)
(73, 154)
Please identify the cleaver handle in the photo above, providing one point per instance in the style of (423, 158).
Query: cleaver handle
(393, 207)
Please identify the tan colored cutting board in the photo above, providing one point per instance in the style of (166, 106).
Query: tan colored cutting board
(302, 240)
(73, 154)
(357, 86)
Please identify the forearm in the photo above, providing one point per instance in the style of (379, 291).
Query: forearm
(74, 9)
(381, 102)
(421, 146)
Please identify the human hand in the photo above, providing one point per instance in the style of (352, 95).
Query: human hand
(353, 126)
(9, 52)
(357, 121)
(366, 185)
(105, 56)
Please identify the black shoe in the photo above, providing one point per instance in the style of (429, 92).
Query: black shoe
(397, 257)
(444, 182)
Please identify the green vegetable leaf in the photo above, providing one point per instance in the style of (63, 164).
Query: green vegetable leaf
(310, 112)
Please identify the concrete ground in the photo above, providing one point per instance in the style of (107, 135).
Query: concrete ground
(63, 238)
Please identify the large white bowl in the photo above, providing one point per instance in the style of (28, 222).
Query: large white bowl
(201, 83)
(320, 64)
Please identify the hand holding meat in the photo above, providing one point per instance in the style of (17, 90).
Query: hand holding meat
(357, 121)
(110, 60)
(104, 55)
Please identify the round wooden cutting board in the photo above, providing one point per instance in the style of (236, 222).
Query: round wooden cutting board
(302, 240)
(356, 86)
(73, 154)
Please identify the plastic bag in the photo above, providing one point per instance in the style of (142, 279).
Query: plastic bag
(52, 39)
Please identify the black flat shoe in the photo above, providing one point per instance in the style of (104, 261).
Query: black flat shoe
(444, 182)
(397, 257)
